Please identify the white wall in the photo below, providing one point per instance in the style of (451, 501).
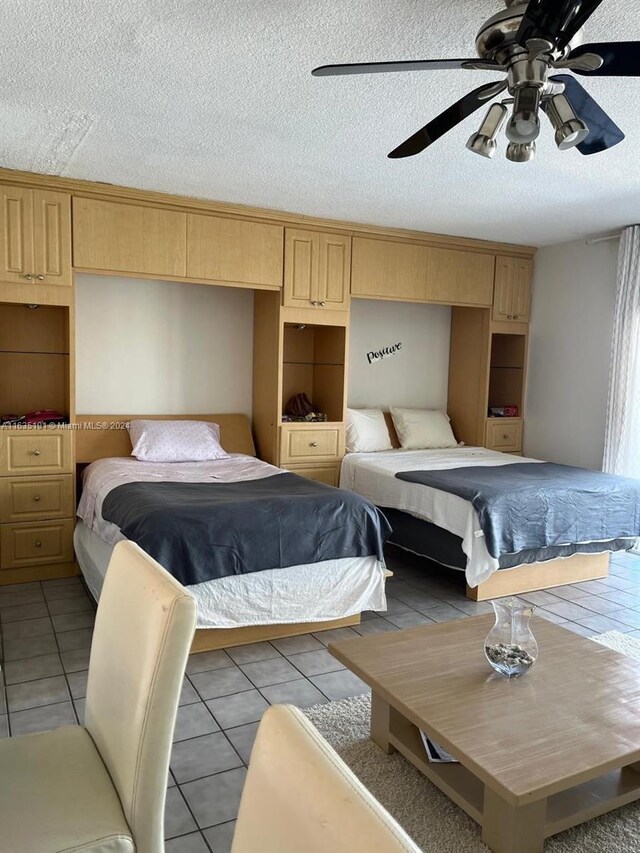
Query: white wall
(571, 326)
(417, 375)
(154, 347)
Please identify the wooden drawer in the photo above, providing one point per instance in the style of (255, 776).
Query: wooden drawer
(300, 444)
(30, 498)
(504, 434)
(35, 543)
(35, 452)
(327, 474)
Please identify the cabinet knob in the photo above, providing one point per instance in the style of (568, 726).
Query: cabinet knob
(509, 316)
(322, 304)
(38, 543)
(40, 277)
(314, 303)
(515, 316)
(29, 277)
(506, 436)
(36, 498)
(313, 444)
(36, 453)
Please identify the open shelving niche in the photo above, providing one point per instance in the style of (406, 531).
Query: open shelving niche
(507, 370)
(34, 358)
(313, 363)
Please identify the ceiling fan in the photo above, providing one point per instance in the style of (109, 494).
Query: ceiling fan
(528, 41)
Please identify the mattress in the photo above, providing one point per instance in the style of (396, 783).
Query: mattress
(372, 475)
(316, 592)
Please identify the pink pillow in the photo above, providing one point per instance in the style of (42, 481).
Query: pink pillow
(175, 441)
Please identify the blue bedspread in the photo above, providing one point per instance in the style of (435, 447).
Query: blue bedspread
(532, 505)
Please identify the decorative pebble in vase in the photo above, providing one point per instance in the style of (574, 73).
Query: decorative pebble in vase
(510, 647)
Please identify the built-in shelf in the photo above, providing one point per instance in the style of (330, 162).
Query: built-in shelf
(314, 364)
(506, 370)
(34, 358)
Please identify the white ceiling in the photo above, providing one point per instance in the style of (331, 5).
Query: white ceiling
(214, 98)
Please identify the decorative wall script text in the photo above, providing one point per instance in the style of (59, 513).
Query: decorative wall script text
(385, 352)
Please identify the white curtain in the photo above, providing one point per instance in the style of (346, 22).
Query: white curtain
(622, 436)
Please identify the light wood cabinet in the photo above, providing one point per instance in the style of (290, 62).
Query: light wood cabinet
(504, 434)
(327, 474)
(460, 278)
(234, 251)
(35, 226)
(310, 442)
(34, 543)
(35, 451)
(387, 269)
(35, 498)
(115, 237)
(512, 294)
(317, 269)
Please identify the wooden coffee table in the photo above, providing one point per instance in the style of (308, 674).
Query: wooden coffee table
(538, 754)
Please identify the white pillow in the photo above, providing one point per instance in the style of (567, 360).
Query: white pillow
(175, 441)
(423, 428)
(367, 431)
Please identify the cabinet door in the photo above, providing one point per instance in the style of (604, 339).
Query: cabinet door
(16, 230)
(512, 295)
(460, 278)
(52, 237)
(116, 237)
(233, 251)
(301, 268)
(334, 271)
(386, 269)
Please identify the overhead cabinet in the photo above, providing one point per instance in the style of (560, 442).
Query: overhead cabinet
(136, 239)
(114, 237)
(388, 269)
(317, 269)
(512, 298)
(460, 278)
(36, 236)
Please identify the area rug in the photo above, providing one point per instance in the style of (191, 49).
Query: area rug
(435, 823)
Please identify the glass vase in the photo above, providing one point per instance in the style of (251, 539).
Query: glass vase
(510, 647)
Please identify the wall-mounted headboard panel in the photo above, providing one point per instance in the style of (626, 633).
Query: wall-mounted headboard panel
(106, 435)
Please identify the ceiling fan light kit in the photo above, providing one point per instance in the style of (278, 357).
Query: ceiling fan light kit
(526, 41)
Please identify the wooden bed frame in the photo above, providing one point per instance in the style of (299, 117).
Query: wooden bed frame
(531, 578)
(102, 436)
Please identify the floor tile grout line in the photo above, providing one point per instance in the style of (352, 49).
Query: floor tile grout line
(64, 673)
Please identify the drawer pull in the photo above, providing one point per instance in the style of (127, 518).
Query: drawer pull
(313, 444)
(314, 303)
(36, 498)
(29, 277)
(322, 304)
(38, 543)
(40, 277)
(36, 453)
(506, 436)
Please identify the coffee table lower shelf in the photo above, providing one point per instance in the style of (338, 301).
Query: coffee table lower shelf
(505, 828)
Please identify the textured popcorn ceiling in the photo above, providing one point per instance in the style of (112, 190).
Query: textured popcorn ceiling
(214, 98)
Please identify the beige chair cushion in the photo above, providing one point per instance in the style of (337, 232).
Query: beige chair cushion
(300, 796)
(56, 795)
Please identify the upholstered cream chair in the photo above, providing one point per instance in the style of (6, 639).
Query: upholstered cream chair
(102, 788)
(300, 796)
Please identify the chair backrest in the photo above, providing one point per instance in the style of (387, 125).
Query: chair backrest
(300, 795)
(144, 629)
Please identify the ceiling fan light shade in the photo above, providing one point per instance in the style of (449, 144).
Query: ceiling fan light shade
(570, 130)
(484, 141)
(524, 124)
(521, 152)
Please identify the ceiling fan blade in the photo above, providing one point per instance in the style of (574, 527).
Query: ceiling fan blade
(604, 133)
(409, 65)
(556, 21)
(447, 120)
(620, 58)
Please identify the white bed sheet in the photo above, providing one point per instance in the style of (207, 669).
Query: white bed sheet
(317, 592)
(372, 475)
